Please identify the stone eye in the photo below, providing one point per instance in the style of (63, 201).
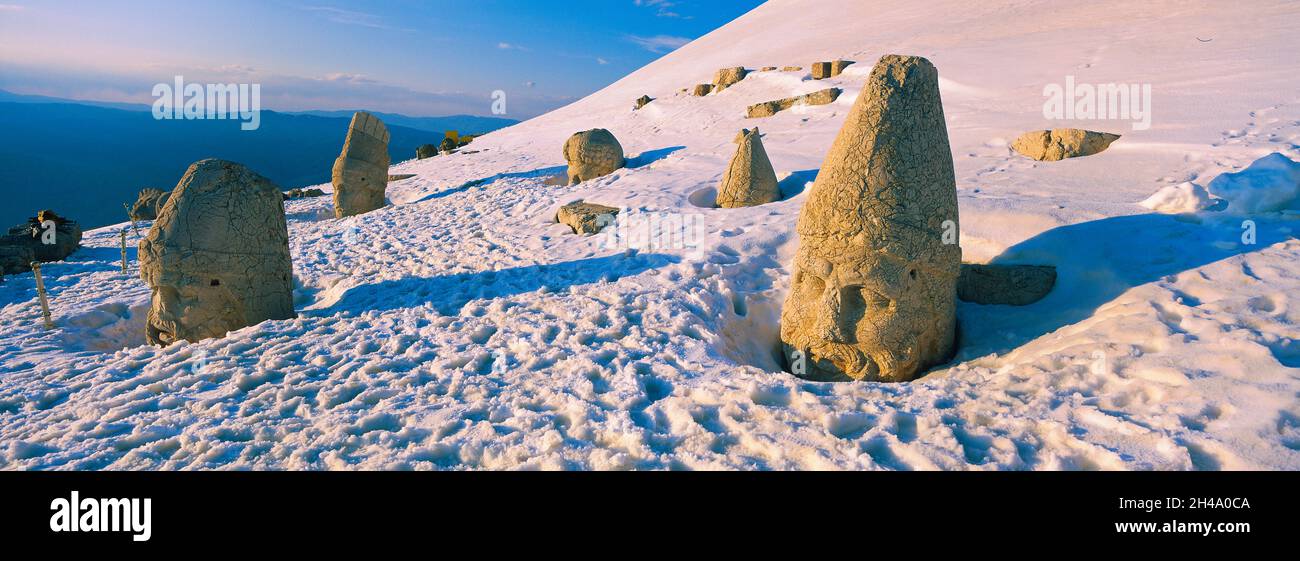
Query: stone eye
(811, 283)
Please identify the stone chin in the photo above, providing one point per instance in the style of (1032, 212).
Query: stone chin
(187, 313)
(829, 361)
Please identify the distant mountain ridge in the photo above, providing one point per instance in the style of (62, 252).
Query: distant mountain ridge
(85, 159)
(464, 124)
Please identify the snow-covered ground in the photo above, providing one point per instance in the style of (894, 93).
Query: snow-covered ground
(459, 328)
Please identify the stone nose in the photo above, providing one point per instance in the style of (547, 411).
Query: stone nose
(828, 324)
(166, 303)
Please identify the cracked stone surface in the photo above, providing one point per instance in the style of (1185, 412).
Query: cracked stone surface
(217, 258)
(360, 173)
(148, 203)
(586, 218)
(749, 179)
(592, 154)
(873, 294)
(1058, 144)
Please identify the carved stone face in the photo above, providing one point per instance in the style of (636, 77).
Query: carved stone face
(217, 259)
(873, 293)
(856, 317)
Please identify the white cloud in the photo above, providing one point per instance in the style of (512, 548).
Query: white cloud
(663, 8)
(347, 17)
(601, 61)
(659, 43)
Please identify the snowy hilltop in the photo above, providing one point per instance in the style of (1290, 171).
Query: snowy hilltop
(461, 327)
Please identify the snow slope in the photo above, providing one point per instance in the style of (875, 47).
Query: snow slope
(459, 328)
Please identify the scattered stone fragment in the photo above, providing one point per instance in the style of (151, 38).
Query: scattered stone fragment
(447, 146)
(769, 108)
(728, 77)
(1012, 285)
(425, 151)
(823, 70)
(641, 102)
(749, 179)
(592, 154)
(586, 218)
(874, 285)
(1058, 144)
(217, 259)
(791, 69)
(767, 69)
(399, 176)
(303, 193)
(702, 90)
(36, 241)
(360, 173)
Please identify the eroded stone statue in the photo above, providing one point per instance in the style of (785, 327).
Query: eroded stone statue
(217, 258)
(592, 154)
(749, 179)
(148, 203)
(873, 295)
(360, 173)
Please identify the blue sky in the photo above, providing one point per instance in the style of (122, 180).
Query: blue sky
(418, 57)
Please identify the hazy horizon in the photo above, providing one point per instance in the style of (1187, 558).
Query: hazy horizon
(421, 59)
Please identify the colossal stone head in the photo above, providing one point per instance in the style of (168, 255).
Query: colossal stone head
(591, 154)
(873, 293)
(749, 179)
(360, 173)
(217, 258)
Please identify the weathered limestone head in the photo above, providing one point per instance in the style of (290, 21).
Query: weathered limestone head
(217, 258)
(874, 287)
(148, 203)
(592, 154)
(360, 173)
(750, 179)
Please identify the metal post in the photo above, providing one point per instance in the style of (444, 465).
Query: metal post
(40, 293)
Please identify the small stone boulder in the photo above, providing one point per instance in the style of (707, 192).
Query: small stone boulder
(592, 154)
(749, 179)
(425, 151)
(147, 204)
(702, 90)
(360, 173)
(38, 241)
(791, 69)
(1012, 285)
(767, 69)
(728, 77)
(586, 218)
(448, 146)
(642, 102)
(303, 193)
(1058, 144)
